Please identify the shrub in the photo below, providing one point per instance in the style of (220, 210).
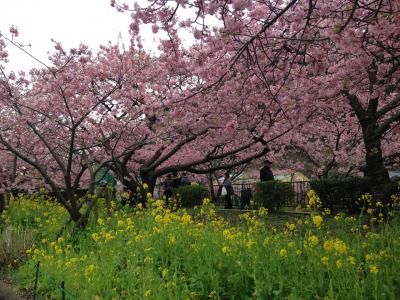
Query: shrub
(273, 194)
(339, 194)
(190, 195)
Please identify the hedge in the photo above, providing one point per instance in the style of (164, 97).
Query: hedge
(339, 194)
(273, 195)
(190, 195)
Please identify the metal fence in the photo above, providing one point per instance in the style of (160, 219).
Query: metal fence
(300, 189)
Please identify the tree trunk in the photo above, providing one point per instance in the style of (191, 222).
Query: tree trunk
(84, 217)
(376, 172)
(375, 169)
(15, 166)
(2, 202)
(150, 179)
(75, 215)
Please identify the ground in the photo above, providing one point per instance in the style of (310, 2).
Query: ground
(8, 293)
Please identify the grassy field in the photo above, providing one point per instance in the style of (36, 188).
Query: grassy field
(156, 253)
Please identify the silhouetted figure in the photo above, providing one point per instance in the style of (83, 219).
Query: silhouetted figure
(176, 181)
(184, 180)
(265, 172)
(227, 184)
(245, 197)
(168, 188)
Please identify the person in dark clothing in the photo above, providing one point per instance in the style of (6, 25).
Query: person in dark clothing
(227, 184)
(168, 188)
(265, 172)
(184, 180)
(245, 197)
(176, 181)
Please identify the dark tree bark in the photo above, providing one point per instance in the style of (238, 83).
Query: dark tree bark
(375, 169)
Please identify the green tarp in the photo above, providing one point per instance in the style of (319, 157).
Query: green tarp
(105, 174)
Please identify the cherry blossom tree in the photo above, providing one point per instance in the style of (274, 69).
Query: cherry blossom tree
(356, 65)
(169, 126)
(344, 53)
(49, 117)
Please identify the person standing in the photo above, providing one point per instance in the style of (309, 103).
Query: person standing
(168, 189)
(184, 179)
(266, 172)
(176, 181)
(227, 184)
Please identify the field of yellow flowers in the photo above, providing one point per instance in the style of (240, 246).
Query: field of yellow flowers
(156, 253)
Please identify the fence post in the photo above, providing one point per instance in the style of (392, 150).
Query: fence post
(36, 280)
(62, 290)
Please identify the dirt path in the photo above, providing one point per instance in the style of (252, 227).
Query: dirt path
(8, 293)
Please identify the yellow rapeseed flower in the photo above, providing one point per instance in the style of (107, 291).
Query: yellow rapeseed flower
(262, 211)
(206, 201)
(250, 243)
(339, 263)
(325, 260)
(164, 272)
(314, 200)
(340, 246)
(317, 220)
(89, 269)
(291, 226)
(171, 239)
(283, 253)
(158, 218)
(108, 236)
(351, 260)
(313, 240)
(373, 269)
(95, 236)
(226, 250)
(187, 219)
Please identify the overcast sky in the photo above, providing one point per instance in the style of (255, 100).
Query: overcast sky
(71, 22)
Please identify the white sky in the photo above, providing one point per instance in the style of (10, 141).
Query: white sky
(71, 22)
